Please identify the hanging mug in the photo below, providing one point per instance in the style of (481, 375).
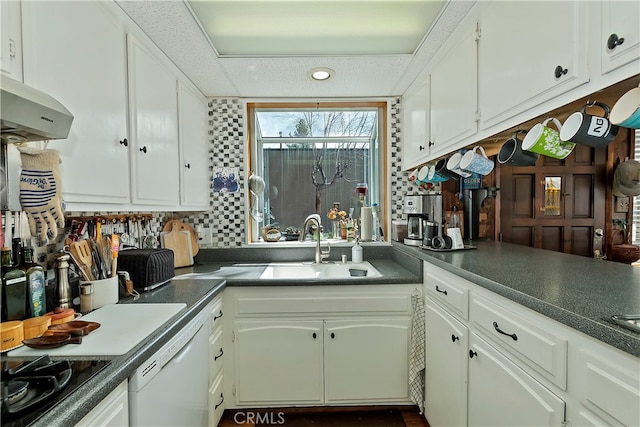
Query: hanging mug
(587, 129)
(626, 112)
(545, 140)
(477, 162)
(440, 168)
(434, 176)
(512, 153)
(421, 177)
(453, 164)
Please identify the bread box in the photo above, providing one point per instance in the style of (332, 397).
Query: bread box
(147, 268)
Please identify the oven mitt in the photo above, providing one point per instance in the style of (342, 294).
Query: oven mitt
(40, 194)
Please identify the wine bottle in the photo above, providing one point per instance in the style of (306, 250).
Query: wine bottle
(36, 297)
(14, 289)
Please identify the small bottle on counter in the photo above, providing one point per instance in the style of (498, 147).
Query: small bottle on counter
(36, 296)
(356, 252)
(14, 289)
(375, 223)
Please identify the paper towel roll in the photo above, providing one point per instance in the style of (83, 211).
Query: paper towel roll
(366, 220)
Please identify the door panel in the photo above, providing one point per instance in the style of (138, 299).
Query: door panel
(552, 238)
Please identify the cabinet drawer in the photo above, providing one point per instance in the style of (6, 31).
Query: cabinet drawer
(216, 355)
(447, 289)
(216, 315)
(611, 386)
(216, 401)
(543, 351)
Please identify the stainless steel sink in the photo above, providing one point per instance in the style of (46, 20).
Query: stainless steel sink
(300, 270)
(631, 322)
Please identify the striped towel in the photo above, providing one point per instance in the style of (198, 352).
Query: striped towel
(416, 355)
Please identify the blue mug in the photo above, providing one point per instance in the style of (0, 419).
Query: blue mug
(475, 161)
(626, 112)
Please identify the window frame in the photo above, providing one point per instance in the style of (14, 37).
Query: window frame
(384, 192)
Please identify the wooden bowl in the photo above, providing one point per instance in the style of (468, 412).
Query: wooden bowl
(35, 326)
(12, 335)
(61, 315)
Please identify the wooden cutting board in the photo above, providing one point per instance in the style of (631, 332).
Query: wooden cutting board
(185, 227)
(180, 243)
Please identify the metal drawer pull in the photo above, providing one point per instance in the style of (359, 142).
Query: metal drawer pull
(219, 355)
(221, 402)
(454, 338)
(218, 316)
(440, 290)
(497, 328)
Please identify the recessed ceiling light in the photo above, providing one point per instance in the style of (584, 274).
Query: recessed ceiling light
(321, 73)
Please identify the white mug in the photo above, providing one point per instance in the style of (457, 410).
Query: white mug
(453, 164)
(456, 238)
(472, 161)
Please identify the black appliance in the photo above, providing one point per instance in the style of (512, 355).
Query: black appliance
(29, 388)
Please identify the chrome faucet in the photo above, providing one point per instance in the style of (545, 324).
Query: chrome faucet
(319, 254)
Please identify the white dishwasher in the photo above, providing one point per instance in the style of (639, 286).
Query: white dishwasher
(171, 387)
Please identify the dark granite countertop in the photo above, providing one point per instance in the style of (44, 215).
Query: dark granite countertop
(395, 267)
(580, 292)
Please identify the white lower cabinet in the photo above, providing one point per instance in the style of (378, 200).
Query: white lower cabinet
(319, 345)
(492, 362)
(216, 363)
(502, 394)
(112, 411)
(447, 354)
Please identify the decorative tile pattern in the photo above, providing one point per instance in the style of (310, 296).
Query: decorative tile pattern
(399, 182)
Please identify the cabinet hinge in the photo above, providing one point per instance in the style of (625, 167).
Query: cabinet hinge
(478, 116)
(233, 336)
(478, 31)
(233, 390)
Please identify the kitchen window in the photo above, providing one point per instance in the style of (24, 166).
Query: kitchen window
(312, 156)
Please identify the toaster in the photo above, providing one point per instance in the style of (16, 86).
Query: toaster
(147, 268)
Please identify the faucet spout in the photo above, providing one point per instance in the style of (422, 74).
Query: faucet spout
(313, 218)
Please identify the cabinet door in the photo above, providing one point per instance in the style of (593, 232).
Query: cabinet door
(620, 20)
(366, 359)
(521, 45)
(194, 154)
(415, 126)
(446, 370)
(502, 394)
(454, 90)
(112, 411)
(278, 361)
(11, 39)
(75, 51)
(154, 127)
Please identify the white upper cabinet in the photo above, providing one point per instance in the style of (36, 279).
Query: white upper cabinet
(415, 125)
(454, 93)
(620, 43)
(529, 53)
(11, 39)
(153, 110)
(194, 153)
(75, 51)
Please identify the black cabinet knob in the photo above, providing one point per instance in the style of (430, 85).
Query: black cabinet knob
(454, 338)
(420, 147)
(333, 335)
(125, 142)
(614, 41)
(315, 335)
(144, 149)
(187, 165)
(560, 71)
(472, 354)
(431, 143)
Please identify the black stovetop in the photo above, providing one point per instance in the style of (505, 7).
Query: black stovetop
(47, 383)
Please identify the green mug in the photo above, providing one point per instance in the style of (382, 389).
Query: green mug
(545, 140)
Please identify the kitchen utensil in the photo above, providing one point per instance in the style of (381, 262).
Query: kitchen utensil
(74, 327)
(84, 270)
(180, 244)
(115, 248)
(184, 227)
(107, 255)
(545, 140)
(98, 262)
(25, 230)
(82, 252)
(11, 335)
(35, 326)
(52, 341)
(587, 129)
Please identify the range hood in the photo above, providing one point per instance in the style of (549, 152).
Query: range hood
(28, 114)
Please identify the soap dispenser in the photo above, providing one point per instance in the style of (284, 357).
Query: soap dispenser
(356, 252)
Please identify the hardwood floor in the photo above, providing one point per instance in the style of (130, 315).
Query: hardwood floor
(278, 416)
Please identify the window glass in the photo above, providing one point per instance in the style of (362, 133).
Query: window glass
(313, 159)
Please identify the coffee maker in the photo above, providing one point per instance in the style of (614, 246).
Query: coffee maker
(424, 212)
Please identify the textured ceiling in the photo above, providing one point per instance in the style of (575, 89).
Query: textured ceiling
(171, 25)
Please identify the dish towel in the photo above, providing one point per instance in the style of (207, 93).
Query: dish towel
(417, 351)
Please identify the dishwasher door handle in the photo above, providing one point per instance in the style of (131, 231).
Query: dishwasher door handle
(180, 353)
